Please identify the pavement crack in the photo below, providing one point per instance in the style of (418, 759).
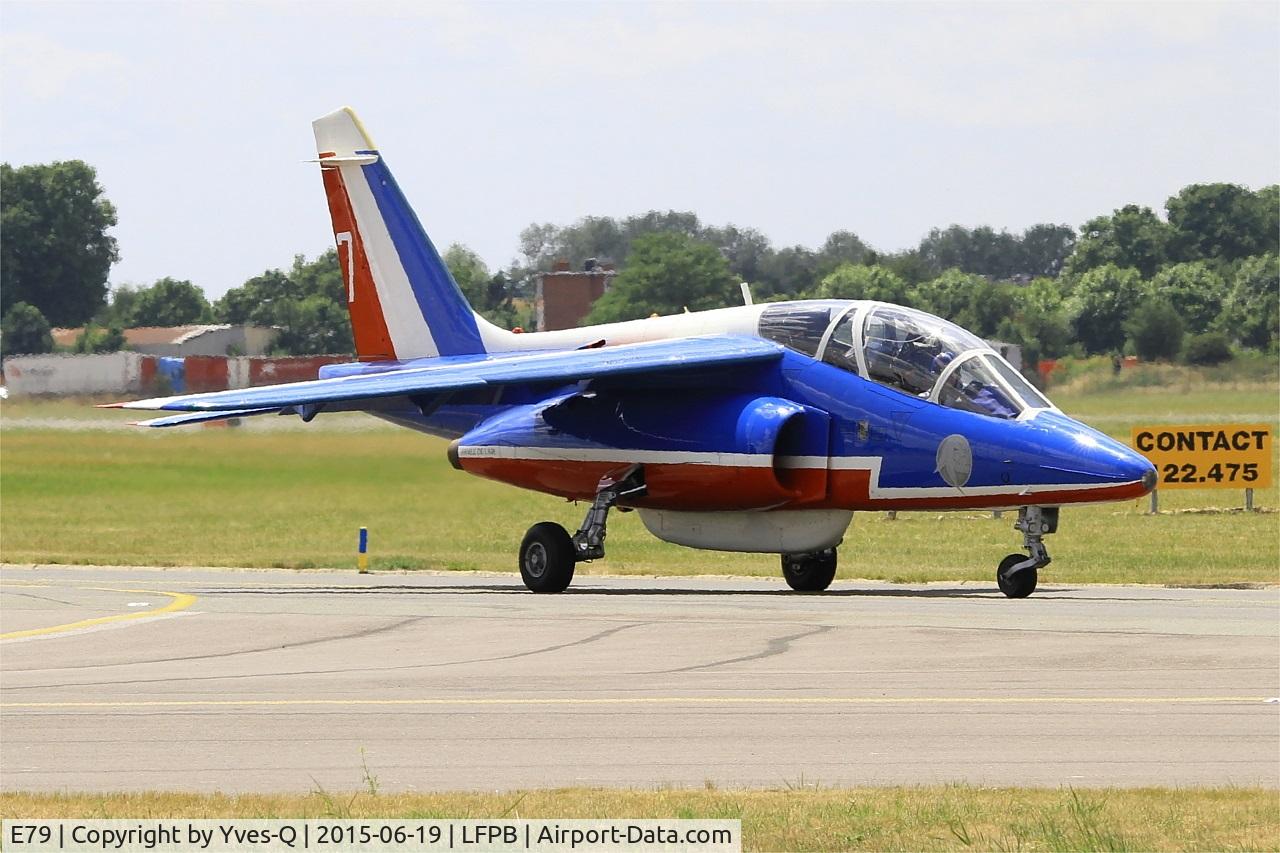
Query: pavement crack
(38, 597)
(583, 642)
(354, 635)
(773, 647)
(244, 676)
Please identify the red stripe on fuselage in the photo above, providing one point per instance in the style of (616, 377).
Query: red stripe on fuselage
(669, 485)
(368, 326)
(707, 488)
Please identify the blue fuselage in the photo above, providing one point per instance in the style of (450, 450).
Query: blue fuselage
(828, 438)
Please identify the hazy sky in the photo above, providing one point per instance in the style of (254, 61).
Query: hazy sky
(795, 118)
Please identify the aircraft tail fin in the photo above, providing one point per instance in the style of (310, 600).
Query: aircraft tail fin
(401, 296)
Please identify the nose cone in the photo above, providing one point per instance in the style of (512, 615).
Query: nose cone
(1092, 458)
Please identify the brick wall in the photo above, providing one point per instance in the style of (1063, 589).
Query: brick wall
(565, 296)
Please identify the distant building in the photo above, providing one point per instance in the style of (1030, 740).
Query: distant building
(187, 340)
(1012, 352)
(564, 297)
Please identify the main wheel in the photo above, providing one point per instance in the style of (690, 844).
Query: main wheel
(547, 558)
(809, 572)
(1018, 585)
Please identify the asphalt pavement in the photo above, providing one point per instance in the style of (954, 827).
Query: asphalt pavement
(240, 680)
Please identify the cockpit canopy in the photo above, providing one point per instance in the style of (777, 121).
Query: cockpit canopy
(914, 352)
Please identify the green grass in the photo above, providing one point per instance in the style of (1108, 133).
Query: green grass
(1115, 411)
(799, 817)
(262, 496)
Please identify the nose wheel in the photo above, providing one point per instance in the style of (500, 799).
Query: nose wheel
(809, 572)
(1016, 584)
(1017, 574)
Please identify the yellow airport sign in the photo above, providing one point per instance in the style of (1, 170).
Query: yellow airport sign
(1207, 456)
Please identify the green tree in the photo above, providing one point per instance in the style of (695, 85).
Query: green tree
(745, 249)
(1045, 249)
(321, 277)
(500, 305)
(537, 245)
(490, 295)
(1221, 222)
(251, 302)
(981, 250)
(24, 331)
(666, 273)
(1100, 305)
(840, 248)
(1208, 349)
(965, 299)
(56, 251)
(946, 295)
(910, 266)
(113, 340)
(1156, 329)
(682, 222)
(469, 271)
(119, 309)
(1269, 200)
(1251, 311)
(96, 340)
(601, 237)
(1194, 290)
(313, 325)
(992, 304)
(789, 272)
(851, 281)
(1040, 318)
(307, 304)
(1132, 236)
(169, 302)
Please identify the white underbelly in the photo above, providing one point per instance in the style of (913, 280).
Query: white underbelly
(778, 532)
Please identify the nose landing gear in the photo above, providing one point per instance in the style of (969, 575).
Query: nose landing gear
(1017, 574)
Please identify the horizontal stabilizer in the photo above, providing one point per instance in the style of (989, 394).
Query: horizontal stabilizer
(460, 373)
(354, 160)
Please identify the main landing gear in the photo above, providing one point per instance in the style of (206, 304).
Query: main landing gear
(811, 572)
(549, 554)
(1017, 573)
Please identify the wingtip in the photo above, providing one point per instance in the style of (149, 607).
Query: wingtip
(120, 405)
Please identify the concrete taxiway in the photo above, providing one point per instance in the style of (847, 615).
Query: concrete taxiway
(117, 679)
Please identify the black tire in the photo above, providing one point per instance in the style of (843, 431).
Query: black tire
(809, 572)
(1019, 585)
(547, 558)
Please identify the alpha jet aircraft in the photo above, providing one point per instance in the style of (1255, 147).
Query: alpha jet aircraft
(759, 428)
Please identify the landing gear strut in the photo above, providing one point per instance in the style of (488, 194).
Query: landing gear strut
(549, 554)
(1017, 573)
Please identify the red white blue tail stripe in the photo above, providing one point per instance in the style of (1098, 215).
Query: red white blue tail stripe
(403, 301)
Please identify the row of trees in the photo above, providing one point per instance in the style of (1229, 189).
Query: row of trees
(1129, 280)
(1102, 310)
(789, 271)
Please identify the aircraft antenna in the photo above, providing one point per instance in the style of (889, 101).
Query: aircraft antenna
(746, 293)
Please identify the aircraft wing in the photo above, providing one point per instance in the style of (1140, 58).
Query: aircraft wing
(459, 373)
